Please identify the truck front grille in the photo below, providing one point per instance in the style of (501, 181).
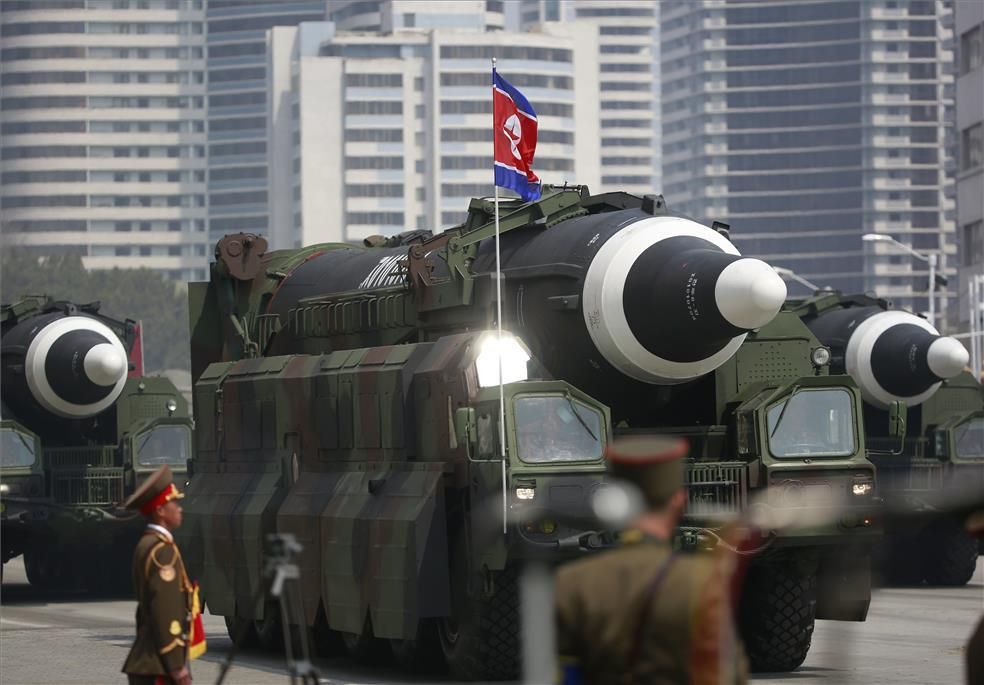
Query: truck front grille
(99, 486)
(716, 487)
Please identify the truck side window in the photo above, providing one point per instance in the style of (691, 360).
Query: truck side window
(969, 438)
(16, 448)
(164, 445)
(557, 428)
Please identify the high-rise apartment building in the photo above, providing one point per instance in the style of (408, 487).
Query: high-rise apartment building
(238, 161)
(102, 132)
(969, 38)
(806, 125)
(628, 90)
(375, 133)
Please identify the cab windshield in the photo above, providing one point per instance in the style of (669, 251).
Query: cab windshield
(164, 445)
(812, 423)
(557, 428)
(16, 448)
(969, 438)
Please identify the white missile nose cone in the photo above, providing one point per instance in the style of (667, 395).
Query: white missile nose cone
(104, 364)
(946, 357)
(749, 293)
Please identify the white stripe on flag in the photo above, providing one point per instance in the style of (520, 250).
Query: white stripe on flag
(524, 113)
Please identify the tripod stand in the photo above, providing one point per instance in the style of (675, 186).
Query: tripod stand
(280, 567)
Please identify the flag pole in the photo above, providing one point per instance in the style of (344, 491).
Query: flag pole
(498, 322)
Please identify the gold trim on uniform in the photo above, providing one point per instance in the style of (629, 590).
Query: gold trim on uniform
(173, 644)
(174, 628)
(167, 573)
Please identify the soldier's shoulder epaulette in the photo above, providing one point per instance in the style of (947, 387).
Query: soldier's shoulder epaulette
(160, 555)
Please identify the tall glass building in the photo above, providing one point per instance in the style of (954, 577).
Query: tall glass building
(238, 180)
(628, 89)
(806, 125)
(376, 133)
(102, 132)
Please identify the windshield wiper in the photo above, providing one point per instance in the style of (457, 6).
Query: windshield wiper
(23, 439)
(580, 420)
(782, 413)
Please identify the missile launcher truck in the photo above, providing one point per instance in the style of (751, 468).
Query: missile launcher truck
(895, 355)
(349, 396)
(78, 434)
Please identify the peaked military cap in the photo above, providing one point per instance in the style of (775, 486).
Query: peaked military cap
(653, 463)
(157, 490)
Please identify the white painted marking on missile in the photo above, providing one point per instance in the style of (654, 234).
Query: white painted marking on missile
(857, 357)
(690, 297)
(391, 270)
(604, 285)
(37, 354)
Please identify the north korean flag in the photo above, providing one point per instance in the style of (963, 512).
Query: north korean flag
(514, 122)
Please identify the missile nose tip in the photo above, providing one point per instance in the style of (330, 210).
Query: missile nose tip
(946, 357)
(749, 293)
(105, 365)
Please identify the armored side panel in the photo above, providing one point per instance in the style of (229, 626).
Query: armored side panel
(324, 447)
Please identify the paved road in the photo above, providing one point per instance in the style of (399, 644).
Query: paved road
(913, 635)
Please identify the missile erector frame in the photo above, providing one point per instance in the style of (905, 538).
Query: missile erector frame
(342, 394)
(78, 433)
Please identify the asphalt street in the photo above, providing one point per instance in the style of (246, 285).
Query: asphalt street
(912, 635)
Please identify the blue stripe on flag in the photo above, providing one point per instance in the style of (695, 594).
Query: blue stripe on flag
(514, 180)
(521, 102)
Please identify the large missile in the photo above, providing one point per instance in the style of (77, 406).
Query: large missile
(891, 354)
(70, 365)
(608, 299)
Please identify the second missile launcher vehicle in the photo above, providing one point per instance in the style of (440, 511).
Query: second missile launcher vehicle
(347, 395)
(895, 355)
(78, 433)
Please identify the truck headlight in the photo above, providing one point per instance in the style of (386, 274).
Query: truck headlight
(820, 356)
(525, 493)
(171, 405)
(509, 352)
(860, 488)
(4, 488)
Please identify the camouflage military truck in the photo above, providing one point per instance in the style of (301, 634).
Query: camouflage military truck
(77, 436)
(348, 396)
(897, 356)
(773, 424)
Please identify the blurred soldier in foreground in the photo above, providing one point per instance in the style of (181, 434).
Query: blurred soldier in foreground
(165, 597)
(643, 613)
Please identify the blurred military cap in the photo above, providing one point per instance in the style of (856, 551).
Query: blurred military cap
(654, 464)
(157, 490)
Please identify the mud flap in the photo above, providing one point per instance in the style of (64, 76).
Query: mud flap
(384, 547)
(844, 586)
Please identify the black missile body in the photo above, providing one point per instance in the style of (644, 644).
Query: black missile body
(891, 354)
(610, 301)
(61, 366)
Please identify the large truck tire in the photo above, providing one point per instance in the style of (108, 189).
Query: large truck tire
(422, 654)
(777, 613)
(481, 642)
(902, 559)
(950, 555)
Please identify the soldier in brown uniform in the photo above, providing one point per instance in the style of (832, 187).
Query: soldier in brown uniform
(643, 613)
(159, 655)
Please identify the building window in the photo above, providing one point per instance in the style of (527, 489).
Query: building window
(972, 147)
(971, 50)
(972, 247)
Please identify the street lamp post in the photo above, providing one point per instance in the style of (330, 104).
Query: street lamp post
(789, 274)
(930, 259)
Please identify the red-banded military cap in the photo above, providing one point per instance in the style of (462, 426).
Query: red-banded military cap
(654, 463)
(157, 490)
